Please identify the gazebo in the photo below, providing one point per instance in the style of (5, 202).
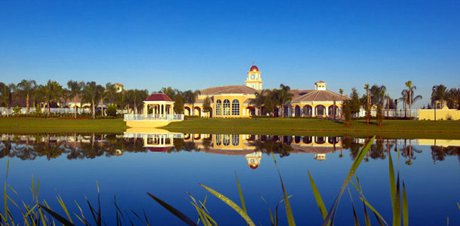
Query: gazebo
(159, 104)
(158, 111)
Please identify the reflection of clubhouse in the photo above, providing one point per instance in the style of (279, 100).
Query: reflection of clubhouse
(242, 144)
(235, 101)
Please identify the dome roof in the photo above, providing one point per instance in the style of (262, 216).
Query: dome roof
(254, 68)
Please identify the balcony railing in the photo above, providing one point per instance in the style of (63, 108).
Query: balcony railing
(170, 117)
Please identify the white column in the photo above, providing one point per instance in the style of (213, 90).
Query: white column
(313, 111)
(145, 109)
(327, 111)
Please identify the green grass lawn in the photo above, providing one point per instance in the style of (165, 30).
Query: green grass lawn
(300, 126)
(57, 125)
(272, 126)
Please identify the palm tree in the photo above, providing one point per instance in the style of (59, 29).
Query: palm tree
(5, 92)
(404, 99)
(135, 97)
(93, 92)
(52, 91)
(259, 100)
(111, 94)
(75, 89)
(368, 104)
(26, 87)
(453, 98)
(282, 97)
(410, 95)
(438, 94)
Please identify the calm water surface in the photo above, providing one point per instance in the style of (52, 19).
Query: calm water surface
(169, 165)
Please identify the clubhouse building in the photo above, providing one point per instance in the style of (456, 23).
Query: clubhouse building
(235, 101)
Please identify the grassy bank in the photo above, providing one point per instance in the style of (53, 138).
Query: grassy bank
(269, 126)
(58, 125)
(300, 126)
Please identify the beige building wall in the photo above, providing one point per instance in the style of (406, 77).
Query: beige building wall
(441, 114)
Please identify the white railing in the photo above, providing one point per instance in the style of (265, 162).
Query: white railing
(170, 117)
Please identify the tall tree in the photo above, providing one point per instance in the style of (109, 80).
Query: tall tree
(170, 92)
(76, 89)
(368, 103)
(411, 97)
(190, 98)
(453, 98)
(111, 94)
(26, 88)
(282, 97)
(355, 102)
(207, 105)
(135, 97)
(92, 93)
(6, 93)
(438, 95)
(52, 93)
(179, 104)
(259, 100)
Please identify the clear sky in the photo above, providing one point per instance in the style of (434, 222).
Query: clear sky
(196, 44)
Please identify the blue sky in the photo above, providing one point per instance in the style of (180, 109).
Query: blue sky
(197, 44)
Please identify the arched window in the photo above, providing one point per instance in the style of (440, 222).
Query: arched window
(226, 139)
(235, 139)
(226, 107)
(235, 107)
(218, 107)
(218, 139)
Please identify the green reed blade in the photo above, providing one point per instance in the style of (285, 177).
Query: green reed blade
(173, 210)
(287, 204)
(392, 185)
(230, 203)
(318, 198)
(240, 193)
(64, 207)
(330, 216)
(405, 204)
(82, 217)
(367, 220)
(203, 216)
(355, 215)
(56, 216)
(376, 213)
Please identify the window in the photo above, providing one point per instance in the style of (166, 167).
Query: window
(226, 139)
(226, 107)
(235, 107)
(218, 139)
(235, 139)
(218, 106)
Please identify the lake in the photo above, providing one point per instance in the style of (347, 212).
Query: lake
(172, 165)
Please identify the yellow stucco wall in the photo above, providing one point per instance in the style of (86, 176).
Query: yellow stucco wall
(441, 114)
(243, 112)
(147, 123)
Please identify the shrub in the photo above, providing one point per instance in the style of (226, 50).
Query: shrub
(111, 110)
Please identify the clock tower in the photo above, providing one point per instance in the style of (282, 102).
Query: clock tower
(254, 79)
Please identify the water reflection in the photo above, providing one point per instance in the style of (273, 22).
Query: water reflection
(88, 146)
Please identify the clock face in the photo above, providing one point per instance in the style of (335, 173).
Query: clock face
(253, 76)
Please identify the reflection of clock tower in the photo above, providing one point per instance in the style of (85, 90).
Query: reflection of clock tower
(254, 79)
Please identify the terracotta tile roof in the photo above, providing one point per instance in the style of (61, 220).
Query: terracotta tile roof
(228, 90)
(319, 95)
(158, 97)
(298, 92)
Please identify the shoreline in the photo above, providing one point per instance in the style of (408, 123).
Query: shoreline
(268, 126)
